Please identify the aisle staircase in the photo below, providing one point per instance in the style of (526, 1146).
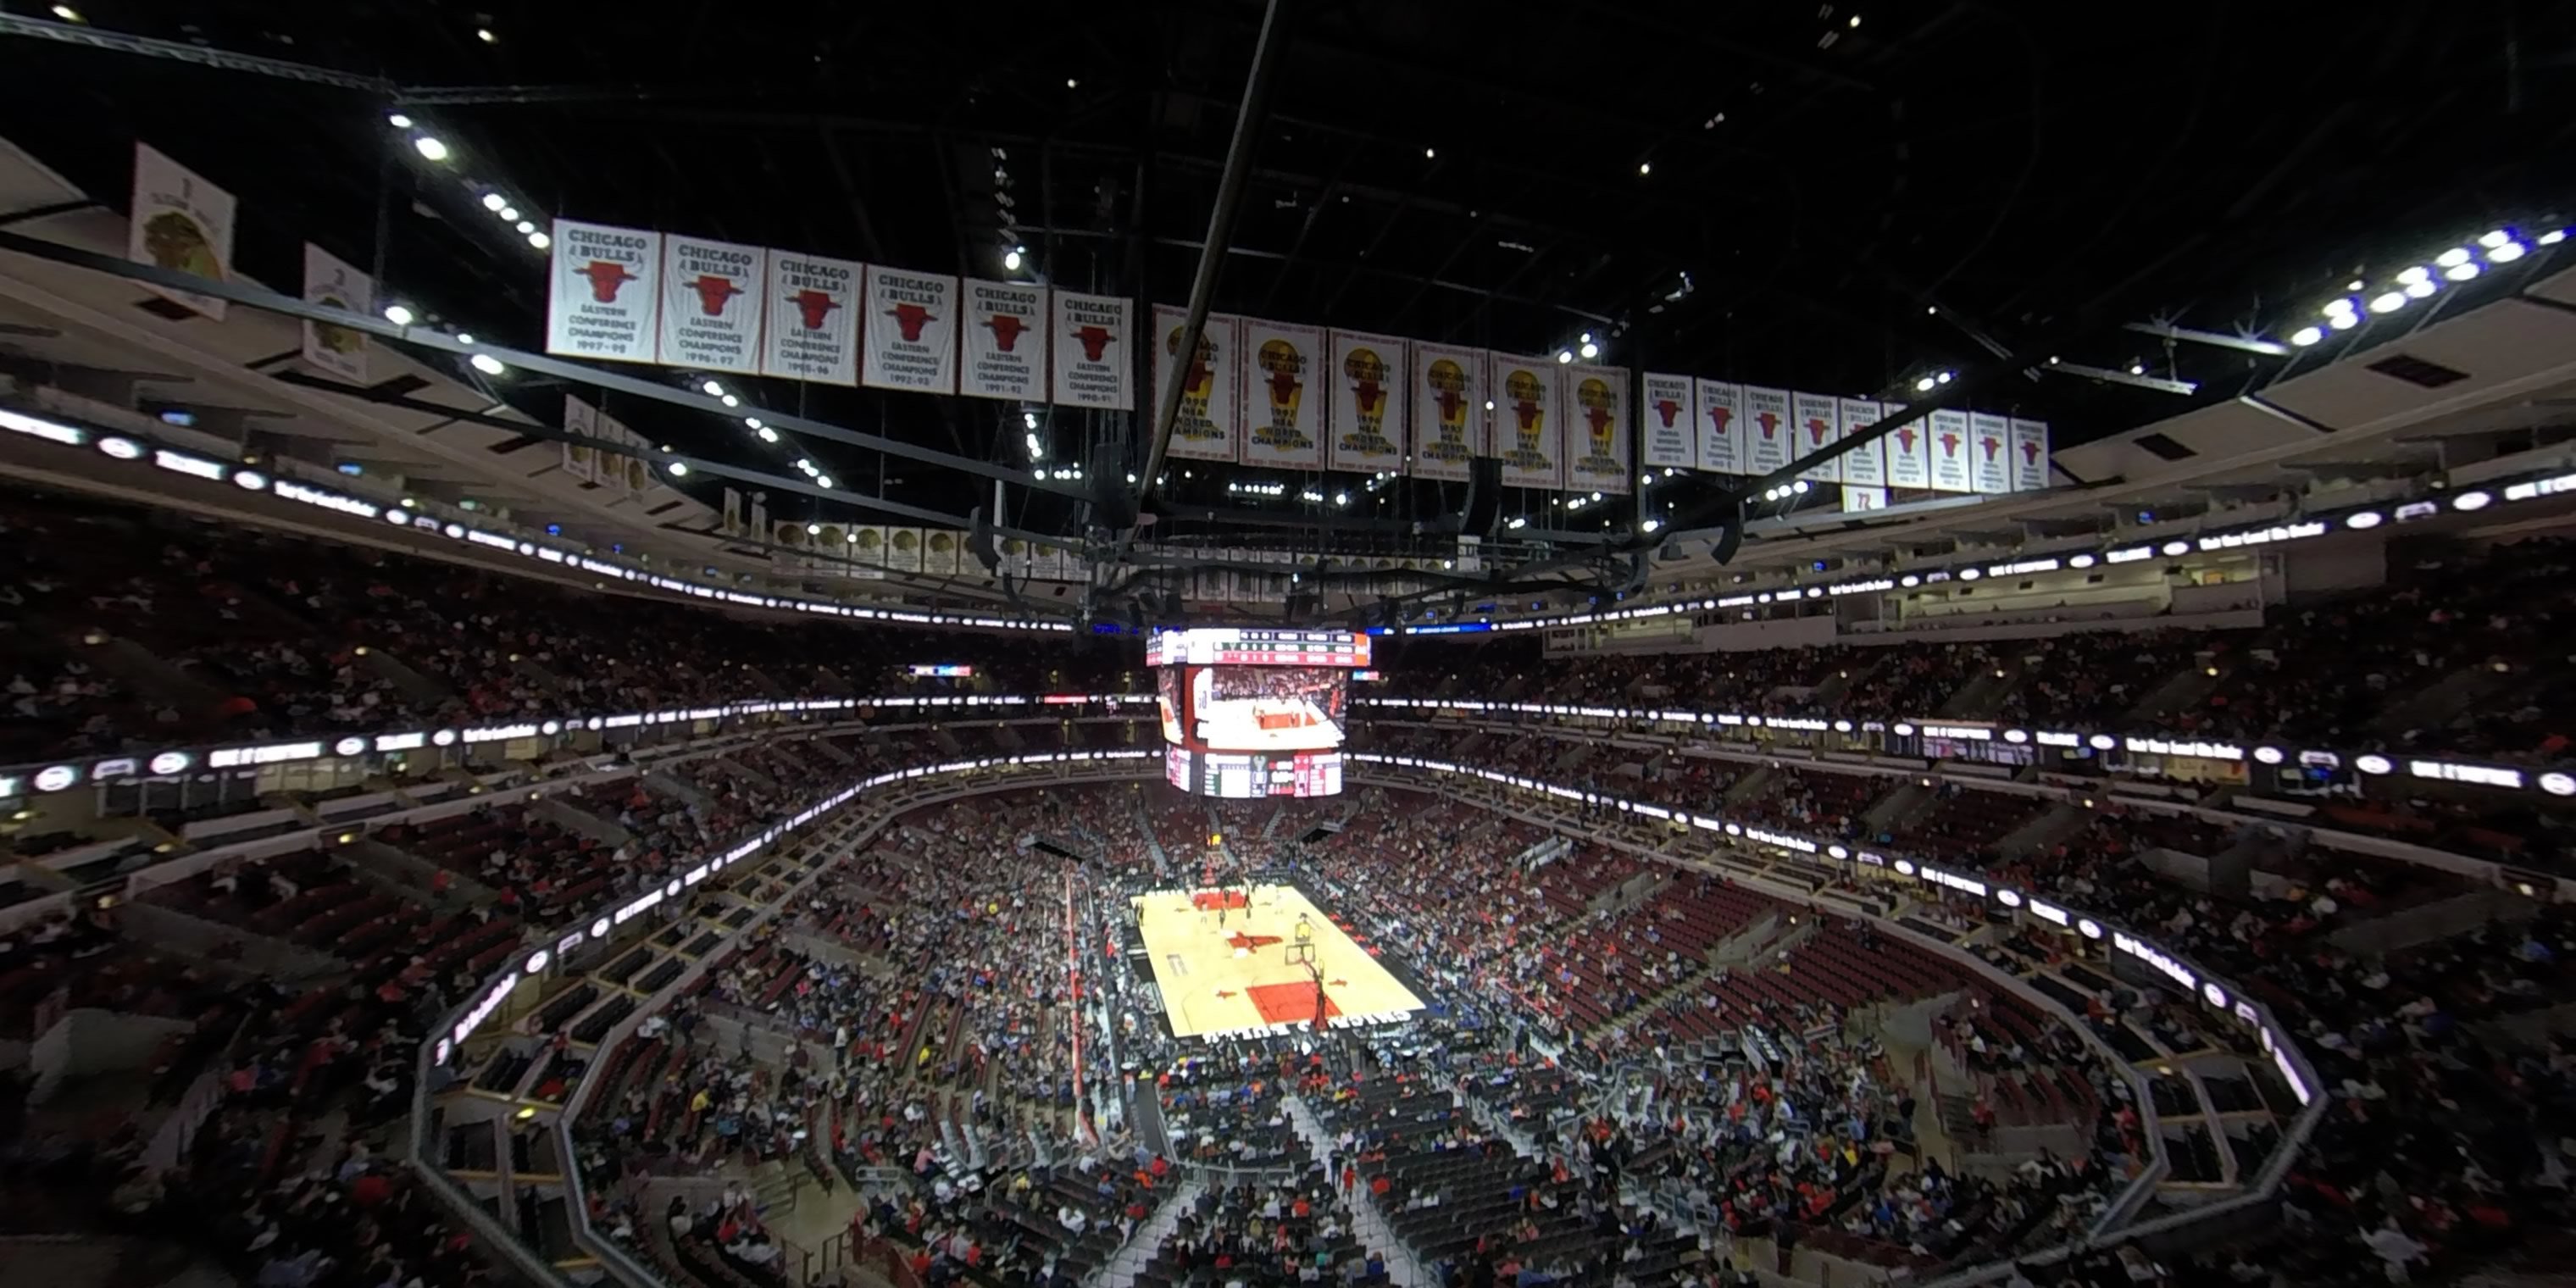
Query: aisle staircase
(1132, 1257)
(1402, 1268)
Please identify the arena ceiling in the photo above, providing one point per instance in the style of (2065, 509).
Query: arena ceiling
(1812, 195)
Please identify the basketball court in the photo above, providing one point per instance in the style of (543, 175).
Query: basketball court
(1260, 967)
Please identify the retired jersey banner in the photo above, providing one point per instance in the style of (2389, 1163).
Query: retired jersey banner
(712, 293)
(1529, 420)
(1596, 445)
(602, 296)
(331, 283)
(1819, 424)
(182, 223)
(1094, 358)
(910, 334)
(813, 331)
(1282, 408)
(1767, 430)
(1365, 421)
(1990, 464)
(582, 460)
(1668, 425)
(903, 550)
(2029, 455)
(1448, 396)
(1950, 471)
(1005, 342)
(1205, 428)
(1864, 465)
(1719, 432)
(1909, 451)
(1859, 499)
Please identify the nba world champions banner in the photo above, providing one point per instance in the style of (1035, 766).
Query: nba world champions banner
(1282, 416)
(1366, 419)
(1529, 420)
(1596, 443)
(1448, 398)
(1206, 428)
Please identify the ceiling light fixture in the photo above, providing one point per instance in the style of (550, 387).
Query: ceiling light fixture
(711, 389)
(398, 315)
(494, 201)
(487, 364)
(1564, 356)
(526, 226)
(2507, 253)
(398, 120)
(1590, 351)
(2307, 335)
(540, 240)
(2494, 237)
(823, 481)
(679, 469)
(485, 35)
(768, 435)
(2387, 302)
(2462, 272)
(68, 13)
(430, 148)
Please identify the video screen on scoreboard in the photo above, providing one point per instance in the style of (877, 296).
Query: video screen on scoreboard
(1254, 712)
(1251, 775)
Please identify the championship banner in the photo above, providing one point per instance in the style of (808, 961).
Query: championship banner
(868, 547)
(813, 331)
(910, 335)
(1864, 465)
(1596, 449)
(1205, 428)
(1669, 427)
(1366, 421)
(1092, 357)
(1990, 464)
(1950, 452)
(732, 525)
(1767, 431)
(182, 223)
(336, 350)
(1447, 390)
(711, 304)
(602, 292)
(939, 545)
(635, 473)
(582, 460)
(903, 550)
(1046, 562)
(1529, 420)
(1282, 412)
(1819, 424)
(1909, 451)
(1718, 437)
(1005, 342)
(2029, 455)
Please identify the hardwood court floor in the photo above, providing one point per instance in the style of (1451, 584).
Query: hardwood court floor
(1241, 976)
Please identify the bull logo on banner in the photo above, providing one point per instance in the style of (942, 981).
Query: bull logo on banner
(1196, 381)
(1282, 366)
(910, 318)
(1448, 380)
(714, 290)
(813, 306)
(1094, 339)
(1600, 406)
(1367, 374)
(606, 277)
(1006, 329)
(1529, 421)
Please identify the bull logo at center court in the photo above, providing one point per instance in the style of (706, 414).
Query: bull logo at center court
(1198, 380)
(1282, 368)
(1525, 395)
(1448, 383)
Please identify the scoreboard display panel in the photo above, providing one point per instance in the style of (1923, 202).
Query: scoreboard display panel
(1253, 712)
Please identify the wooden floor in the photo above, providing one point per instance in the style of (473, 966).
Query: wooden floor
(1243, 974)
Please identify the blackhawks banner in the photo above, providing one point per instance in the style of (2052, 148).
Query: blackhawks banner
(331, 283)
(2030, 455)
(603, 292)
(182, 223)
(813, 331)
(1950, 472)
(1005, 342)
(910, 333)
(1670, 423)
(1367, 415)
(1596, 450)
(1282, 412)
(1093, 360)
(1909, 451)
(1447, 393)
(1819, 423)
(1205, 429)
(711, 304)
(1864, 465)
(1722, 445)
(1529, 421)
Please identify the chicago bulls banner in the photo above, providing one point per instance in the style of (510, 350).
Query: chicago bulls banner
(1909, 451)
(2029, 455)
(182, 223)
(711, 303)
(1819, 424)
(1005, 342)
(1864, 465)
(1767, 429)
(1668, 425)
(1949, 446)
(1718, 433)
(331, 283)
(1366, 418)
(1092, 357)
(1990, 464)
(581, 460)
(1529, 420)
(1858, 499)
(1282, 403)
(1205, 428)
(1597, 433)
(1446, 388)
(813, 331)
(910, 333)
(602, 295)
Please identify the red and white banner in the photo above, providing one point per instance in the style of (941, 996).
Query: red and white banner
(582, 460)
(603, 293)
(1006, 352)
(1718, 440)
(1909, 451)
(1990, 465)
(182, 223)
(1859, 499)
(1447, 390)
(1819, 424)
(1864, 465)
(1282, 409)
(333, 284)
(1205, 429)
(712, 293)
(910, 334)
(813, 331)
(1366, 420)
(1529, 420)
(1768, 431)
(1950, 472)
(1094, 356)
(2029, 455)
(1668, 424)
(1596, 441)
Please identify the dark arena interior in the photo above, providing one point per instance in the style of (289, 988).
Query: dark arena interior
(1278, 642)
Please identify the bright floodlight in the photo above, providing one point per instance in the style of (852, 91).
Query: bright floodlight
(711, 389)
(1941, 378)
(2493, 238)
(1564, 356)
(540, 240)
(823, 481)
(2307, 335)
(1923, 385)
(1645, 167)
(465, 337)
(2418, 290)
(430, 148)
(2339, 304)
(487, 364)
(768, 435)
(1800, 486)
(679, 469)
(398, 121)
(2413, 275)
(1011, 260)
(1590, 350)
(526, 227)
(2553, 237)
(510, 215)
(2507, 253)
(2461, 272)
(398, 315)
(494, 201)
(2387, 302)
(730, 401)
(2453, 257)
(2344, 321)
(1028, 420)
(813, 529)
